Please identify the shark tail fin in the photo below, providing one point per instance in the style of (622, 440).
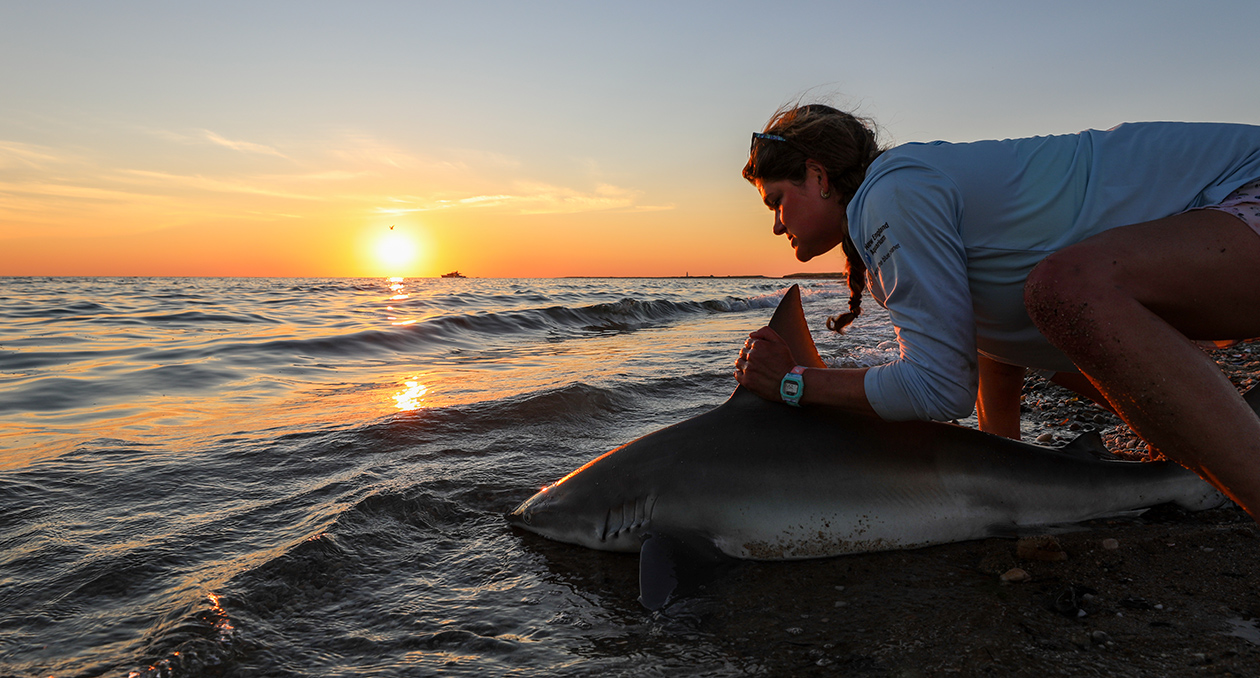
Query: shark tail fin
(789, 323)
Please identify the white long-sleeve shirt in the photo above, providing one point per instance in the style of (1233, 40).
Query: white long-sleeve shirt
(949, 233)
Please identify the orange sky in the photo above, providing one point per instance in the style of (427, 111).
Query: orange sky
(504, 245)
(249, 209)
(224, 232)
(514, 140)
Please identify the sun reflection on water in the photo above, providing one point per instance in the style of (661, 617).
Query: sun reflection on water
(412, 397)
(398, 293)
(396, 286)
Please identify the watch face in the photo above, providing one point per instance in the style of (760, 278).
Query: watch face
(791, 388)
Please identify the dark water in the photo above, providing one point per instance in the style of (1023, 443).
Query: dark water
(306, 477)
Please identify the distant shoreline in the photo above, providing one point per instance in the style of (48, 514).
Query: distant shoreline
(808, 276)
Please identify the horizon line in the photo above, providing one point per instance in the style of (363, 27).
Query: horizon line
(821, 276)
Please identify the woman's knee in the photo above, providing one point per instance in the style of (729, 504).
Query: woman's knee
(1061, 289)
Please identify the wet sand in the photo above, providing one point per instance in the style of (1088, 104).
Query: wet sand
(1175, 595)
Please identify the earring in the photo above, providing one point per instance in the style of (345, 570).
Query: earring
(825, 194)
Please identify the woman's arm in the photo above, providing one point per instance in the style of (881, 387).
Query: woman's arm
(905, 223)
(765, 358)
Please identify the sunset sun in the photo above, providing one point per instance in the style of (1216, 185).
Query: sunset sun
(395, 252)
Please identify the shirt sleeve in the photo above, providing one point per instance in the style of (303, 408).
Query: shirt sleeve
(906, 228)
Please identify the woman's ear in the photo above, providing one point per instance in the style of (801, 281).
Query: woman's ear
(816, 174)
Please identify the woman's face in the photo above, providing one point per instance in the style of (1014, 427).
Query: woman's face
(813, 224)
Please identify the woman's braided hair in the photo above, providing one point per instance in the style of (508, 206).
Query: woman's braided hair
(845, 146)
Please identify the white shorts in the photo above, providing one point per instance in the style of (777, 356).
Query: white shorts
(1243, 203)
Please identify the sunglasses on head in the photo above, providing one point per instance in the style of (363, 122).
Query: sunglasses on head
(762, 135)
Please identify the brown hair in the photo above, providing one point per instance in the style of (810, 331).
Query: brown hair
(844, 145)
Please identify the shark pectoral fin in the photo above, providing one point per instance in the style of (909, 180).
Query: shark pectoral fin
(1252, 396)
(673, 563)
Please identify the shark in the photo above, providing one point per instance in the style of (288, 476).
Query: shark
(760, 480)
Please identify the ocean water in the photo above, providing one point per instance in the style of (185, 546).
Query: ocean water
(307, 477)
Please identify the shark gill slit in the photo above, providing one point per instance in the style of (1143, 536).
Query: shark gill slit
(615, 521)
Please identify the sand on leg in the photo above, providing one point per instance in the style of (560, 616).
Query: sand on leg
(1124, 305)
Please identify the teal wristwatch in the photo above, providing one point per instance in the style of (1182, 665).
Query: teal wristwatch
(793, 386)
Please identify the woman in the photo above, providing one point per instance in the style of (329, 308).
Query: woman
(1102, 254)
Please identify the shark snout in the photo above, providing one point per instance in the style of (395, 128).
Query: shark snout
(523, 515)
(548, 512)
(581, 518)
(517, 517)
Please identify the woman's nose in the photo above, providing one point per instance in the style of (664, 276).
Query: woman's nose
(779, 229)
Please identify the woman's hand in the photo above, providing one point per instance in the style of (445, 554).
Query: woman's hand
(765, 358)
(762, 362)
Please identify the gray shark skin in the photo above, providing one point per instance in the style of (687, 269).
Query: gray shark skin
(754, 479)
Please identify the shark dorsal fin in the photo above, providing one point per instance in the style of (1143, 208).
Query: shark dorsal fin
(1089, 445)
(789, 323)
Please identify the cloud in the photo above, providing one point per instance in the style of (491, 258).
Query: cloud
(322, 177)
(547, 199)
(16, 154)
(48, 188)
(486, 200)
(363, 150)
(243, 146)
(33, 192)
(529, 198)
(653, 208)
(445, 165)
(211, 184)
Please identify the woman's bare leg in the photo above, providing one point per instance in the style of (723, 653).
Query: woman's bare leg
(1082, 386)
(1125, 305)
(997, 401)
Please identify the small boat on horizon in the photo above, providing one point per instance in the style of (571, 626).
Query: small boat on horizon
(452, 274)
